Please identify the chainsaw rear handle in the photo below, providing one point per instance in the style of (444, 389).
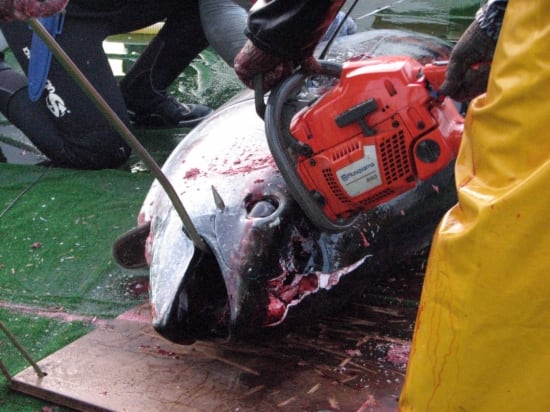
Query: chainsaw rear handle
(330, 69)
(259, 95)
(435, 73)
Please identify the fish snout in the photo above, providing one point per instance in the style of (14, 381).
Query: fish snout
(199, 310)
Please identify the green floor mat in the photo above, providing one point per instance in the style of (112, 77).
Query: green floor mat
(57, 228)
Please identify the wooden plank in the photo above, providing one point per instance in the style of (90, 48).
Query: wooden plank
(123, 365)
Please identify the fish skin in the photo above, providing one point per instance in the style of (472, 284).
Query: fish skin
(268, 261)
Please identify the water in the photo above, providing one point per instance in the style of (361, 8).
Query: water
(443, 18)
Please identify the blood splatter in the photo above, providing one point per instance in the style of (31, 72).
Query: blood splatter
(192, 173)
(365, 240)
(398, 355)
(137, 287)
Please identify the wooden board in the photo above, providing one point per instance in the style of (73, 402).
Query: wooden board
(348, 363)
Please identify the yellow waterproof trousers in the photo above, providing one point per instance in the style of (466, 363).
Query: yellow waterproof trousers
(482, 337)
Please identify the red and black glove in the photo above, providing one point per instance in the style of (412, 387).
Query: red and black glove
(469, 66)
(252, 61)
(28, 9)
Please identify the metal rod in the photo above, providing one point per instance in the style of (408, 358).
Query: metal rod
(378, 10)
(119, 126)
(335, 34)
(5, 371)
(22, 350)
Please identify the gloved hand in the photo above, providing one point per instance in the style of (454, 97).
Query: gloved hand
(251, 61)
(27, 9)
(469, 65)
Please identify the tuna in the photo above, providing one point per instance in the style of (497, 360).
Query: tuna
(266, 262)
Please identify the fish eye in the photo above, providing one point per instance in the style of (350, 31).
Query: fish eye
(262, 207)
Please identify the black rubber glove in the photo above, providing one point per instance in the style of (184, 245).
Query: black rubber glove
(27, 9)
(469, 65)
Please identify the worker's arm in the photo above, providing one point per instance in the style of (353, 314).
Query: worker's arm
(283, 35)
(470, 61)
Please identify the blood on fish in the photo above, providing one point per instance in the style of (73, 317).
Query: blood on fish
(289, 287)
(275, 310)
(365, 240)
(252, 165)
(192, 173)
(141, 217)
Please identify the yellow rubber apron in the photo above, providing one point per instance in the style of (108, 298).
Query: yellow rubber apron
(482, 337)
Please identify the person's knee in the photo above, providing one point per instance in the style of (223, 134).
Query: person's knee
(96, 149)
(11, 82)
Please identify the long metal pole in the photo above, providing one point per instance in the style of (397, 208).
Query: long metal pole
(119, 125)
(22, 351)
(378, 10)
(338, 28)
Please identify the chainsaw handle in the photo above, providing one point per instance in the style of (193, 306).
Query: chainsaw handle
(259, 101)
(434, 73)
(329, 69)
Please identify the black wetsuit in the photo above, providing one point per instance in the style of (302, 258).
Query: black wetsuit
(72, 132)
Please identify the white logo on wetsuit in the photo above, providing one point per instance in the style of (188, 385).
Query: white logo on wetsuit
(54, 102)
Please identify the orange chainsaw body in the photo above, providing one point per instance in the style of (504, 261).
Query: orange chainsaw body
(376, 134)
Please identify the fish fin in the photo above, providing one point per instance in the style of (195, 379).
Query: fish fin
(129, 249)
(218, 200)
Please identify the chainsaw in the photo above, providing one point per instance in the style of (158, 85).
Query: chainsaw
(360, 134)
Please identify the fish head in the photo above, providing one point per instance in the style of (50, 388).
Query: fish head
(264, 255)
